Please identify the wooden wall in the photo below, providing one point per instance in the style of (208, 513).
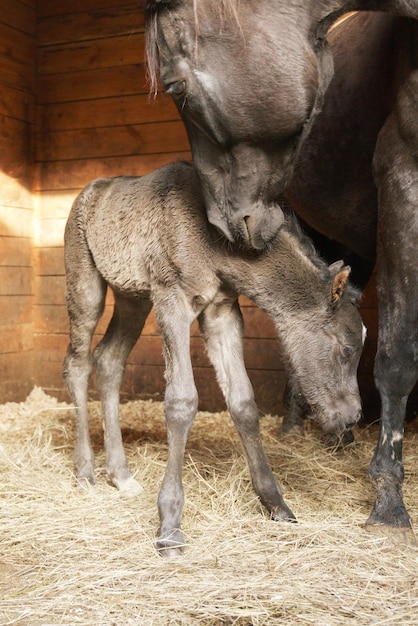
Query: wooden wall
(93, 117)
(17, 88)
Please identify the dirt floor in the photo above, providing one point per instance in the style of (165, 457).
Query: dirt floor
(71, 556)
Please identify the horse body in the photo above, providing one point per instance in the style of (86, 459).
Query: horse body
(149, 240)
(340, 143)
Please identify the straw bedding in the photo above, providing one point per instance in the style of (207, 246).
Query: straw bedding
(69, 556)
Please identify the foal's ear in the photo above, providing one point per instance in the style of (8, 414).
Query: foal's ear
(340, 273)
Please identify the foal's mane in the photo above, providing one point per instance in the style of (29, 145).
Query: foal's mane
(225, 9)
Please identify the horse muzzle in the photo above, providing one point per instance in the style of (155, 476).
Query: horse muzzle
(253, 228)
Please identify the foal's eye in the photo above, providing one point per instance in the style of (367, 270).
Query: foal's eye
(347, 351)
(177, 88)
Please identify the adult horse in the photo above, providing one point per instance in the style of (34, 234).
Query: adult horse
(261, 90)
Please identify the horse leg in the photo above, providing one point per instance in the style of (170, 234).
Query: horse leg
(180, 404)
(110, 356)
(85, 296)
(221, 324)
(396, 365)
(294, 405)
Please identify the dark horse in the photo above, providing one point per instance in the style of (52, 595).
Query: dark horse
(276, 104)
(149, 240)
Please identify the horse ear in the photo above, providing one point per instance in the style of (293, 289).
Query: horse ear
(340, 274)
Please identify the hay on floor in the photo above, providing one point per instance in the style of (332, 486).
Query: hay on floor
(69, 556)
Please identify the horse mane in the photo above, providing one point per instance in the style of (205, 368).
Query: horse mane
(306, 244)
(154, 8)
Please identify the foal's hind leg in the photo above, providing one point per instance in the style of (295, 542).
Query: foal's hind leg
(85, 295)
(174, 319)
(110, 356)
(221, 323)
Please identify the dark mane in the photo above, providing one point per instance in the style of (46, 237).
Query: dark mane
(153, 8)
(293, 225)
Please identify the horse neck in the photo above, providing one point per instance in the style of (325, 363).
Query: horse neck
(284, 281)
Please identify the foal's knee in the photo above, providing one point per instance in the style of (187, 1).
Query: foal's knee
(244, 411)
(76, 369)
(180, 403)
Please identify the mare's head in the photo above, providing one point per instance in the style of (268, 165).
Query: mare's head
(247, 79)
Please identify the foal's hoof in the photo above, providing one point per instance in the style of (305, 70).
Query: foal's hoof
(170, 546)
(86, 482)
(128, 486)
(283, 514)
(395, 535)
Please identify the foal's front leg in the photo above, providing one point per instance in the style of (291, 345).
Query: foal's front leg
(221, 324)
(174, 320)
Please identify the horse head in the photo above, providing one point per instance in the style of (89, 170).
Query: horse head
(247, 79)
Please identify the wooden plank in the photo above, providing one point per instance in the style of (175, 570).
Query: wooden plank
(91, 24)
(257, 323)
(17, 45)
(16, 103)
(15, 309)
(268, 390)
(48, 8)
(262, 354)
(99, 53)
(50, 318)
(134, 109)
(15, 251)
(58, 175)
(88, 83)
(16, 338)
(15, 192)
(30, 3)
(54, 206)
(19, 15)
(52, 232)
(16, 281)
(16, 376)
(16, 222)
(49, 261)
(16, 74)
(117, 141)
(14, 147)
(49, 289)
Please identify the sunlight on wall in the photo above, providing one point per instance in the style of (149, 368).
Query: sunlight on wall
(51, 213)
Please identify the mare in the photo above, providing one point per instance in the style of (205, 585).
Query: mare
(278, 104)
(149, 240)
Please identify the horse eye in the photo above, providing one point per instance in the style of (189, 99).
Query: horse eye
(347, 351)
(177, 88)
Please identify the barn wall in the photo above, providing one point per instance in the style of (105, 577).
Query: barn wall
(92, 117)
(17, 86)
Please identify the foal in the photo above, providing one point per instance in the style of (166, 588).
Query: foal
(148, 238)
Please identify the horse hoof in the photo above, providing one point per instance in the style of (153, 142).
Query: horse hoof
(283, 515)
(86, 482)
(170, 546)
(128, 486)
(398, 536)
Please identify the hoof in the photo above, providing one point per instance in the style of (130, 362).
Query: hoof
(170, 546)
(283, 515)
(292, 424)
(86, 482)
(128, 486)
(398, 536)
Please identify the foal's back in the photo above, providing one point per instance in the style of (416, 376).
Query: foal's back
(149, 230)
